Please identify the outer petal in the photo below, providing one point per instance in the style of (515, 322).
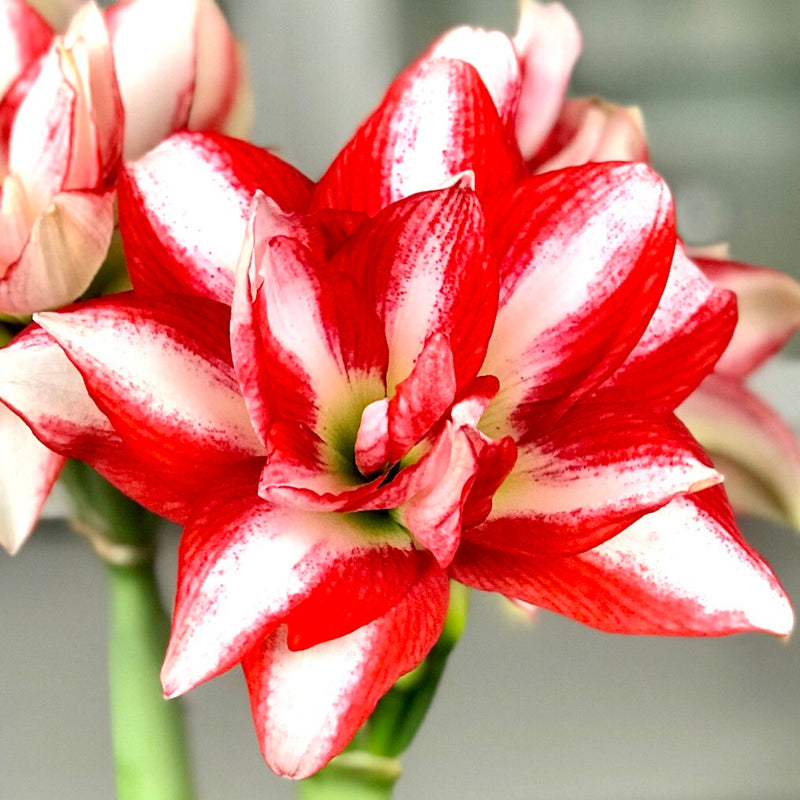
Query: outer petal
(308, 705)
(307, 346)
(246, 566)
(752, 446)
(162, 375)
(66, 247)
(184, 207)
(27, 473)
(589, 477)
(437, 120)
(493, 55)
(683, 570)
(584, 257)
(24, 36)
(589, 129)
(425, 270)
(769, 312)
(548, 43)
(44, 388)
(689, 331)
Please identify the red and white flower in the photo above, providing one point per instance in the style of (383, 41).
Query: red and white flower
(362, 408)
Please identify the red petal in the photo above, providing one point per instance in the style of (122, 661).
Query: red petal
(184, 208)
(245, 566)
(437, 120)
(162, 375)
(585, 254)
(590, 477)
(687, 334)
(683, 570)
(308, 705)
(24, 36)
(424, 268)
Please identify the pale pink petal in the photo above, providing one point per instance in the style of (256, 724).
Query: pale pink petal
(683, 570)
(66, 247)
(493, 55)
(769, 312)
(246, 565)
(222, 96)
(154, 53)
(548, 43)
(584, 254)
(24, 36)
(590, 476)
(589, 129)
(162, 374)
(27, 473)
(753, 447)
(308, 705)
(184, 209)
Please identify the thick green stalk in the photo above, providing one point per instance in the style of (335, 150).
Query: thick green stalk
(150, 757)
(353, 775)
(150, 754)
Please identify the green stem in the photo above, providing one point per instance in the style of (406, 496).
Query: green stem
(353, 775)
(150, 758)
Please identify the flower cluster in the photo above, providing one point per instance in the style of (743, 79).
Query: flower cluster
(457, 356)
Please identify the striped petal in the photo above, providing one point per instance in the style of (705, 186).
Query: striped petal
(184, 209)
(436, 121)
(683, 570)
(162, 374)
(44, 388)
(548, 43)
(247, 566)
(306, 344)
(425, 271)
(25, 479)
(584, 257)
(308, 705)
(769, 312)
(751, 445)
(688, 332)
(591, 476)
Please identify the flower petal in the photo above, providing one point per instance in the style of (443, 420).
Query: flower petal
(753, 447)
(492, 54)
(686, 335)
(24, 36)
(306, 345)
(590, 477)
(436, 121)
(246, 566)
(162, 374)
(41, 385)
(590, 129)
(683, 570)
(425, 270)
(308, 705)
(548, 43)
(66, 247)
(769, 312)
(184, 208)
(584, 257)
(27, 473)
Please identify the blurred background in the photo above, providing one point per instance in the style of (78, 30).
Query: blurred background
(526, 710)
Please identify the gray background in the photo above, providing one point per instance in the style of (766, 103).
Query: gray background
(549, 710)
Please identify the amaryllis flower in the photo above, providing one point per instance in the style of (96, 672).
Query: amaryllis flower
(362, 409)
